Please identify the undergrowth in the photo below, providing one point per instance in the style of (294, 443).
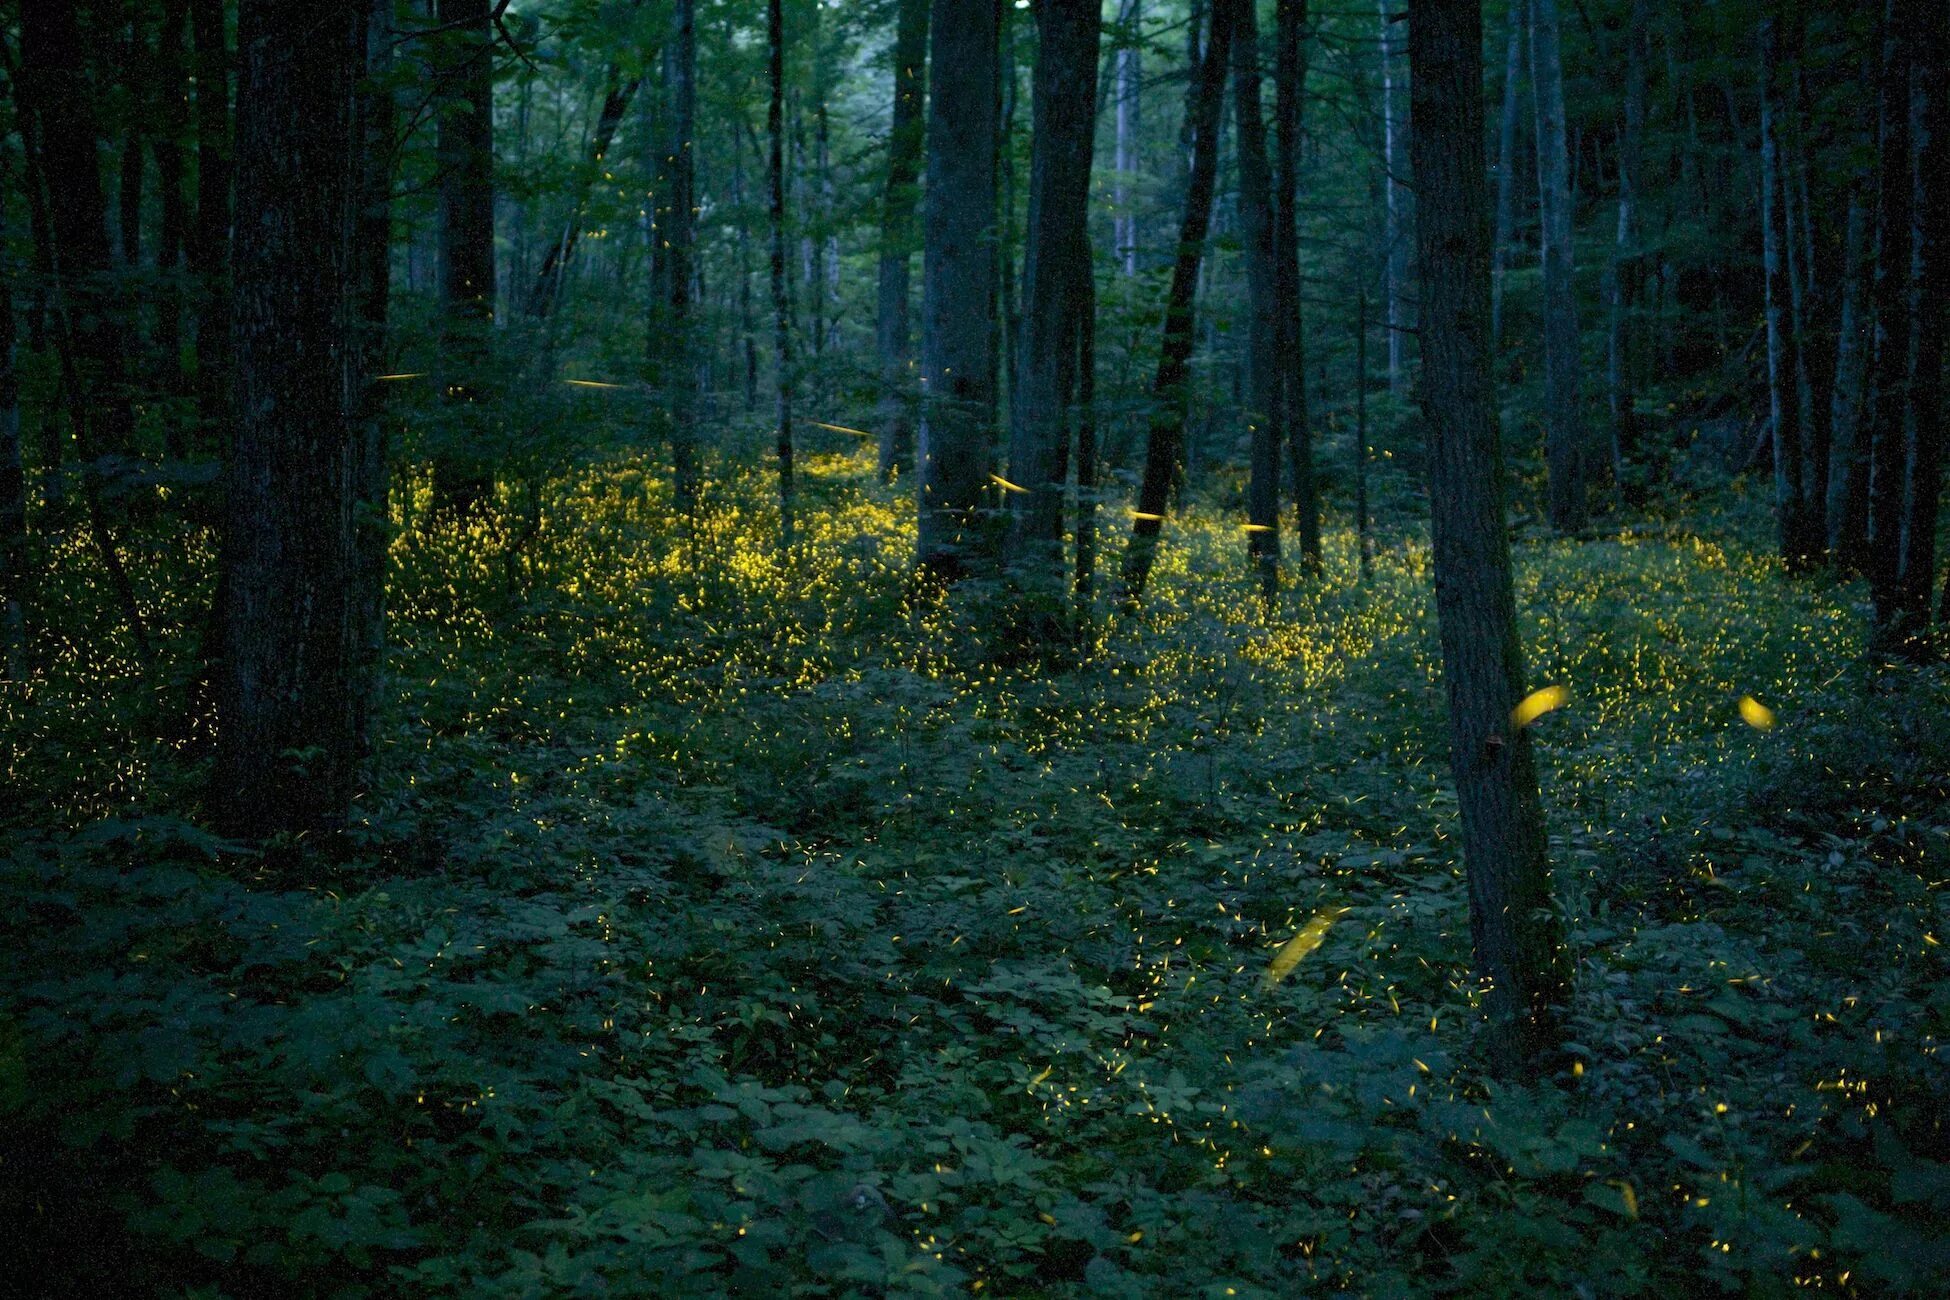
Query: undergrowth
(728, 921)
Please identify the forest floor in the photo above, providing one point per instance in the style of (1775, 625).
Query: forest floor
(721, 923)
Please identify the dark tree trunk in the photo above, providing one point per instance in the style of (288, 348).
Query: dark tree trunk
(1631, 130)
(547, 288)
(13, 492)
(1129, 90)
(209, 249)
(1265, 432)
(1798, 542)
(1086, 570)
(679, 247)
(891, 325)
(1848, 461)
(958, 331)
(1506, 163)
(1893, 284)
(95, 326)
(1170, 386)
(1923, 476)
(1056, 264)
(1361, 535)
(1290, 78)
(1512, 923)
(1564, 429)
(1396, 197)
(375, 121)
(781, 288)
(288, 691)
(747, 320)
(172, 236)
(462, 476)
(135, 153)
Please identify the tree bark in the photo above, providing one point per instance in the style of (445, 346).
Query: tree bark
(1506, 164)
(1798, 543)
(781, 287)
(1170, 386)
(1265, 432)
(1631, 131)
(1396, 198)
(463, 477)
(288, 690)
(679, 247)
(1564, 430)
(958, 331)
(1512, 924)
(1923, 465)
(1056, 263)
(892, 308)
(1893, 318)
(1848, 462)
(209, 250)
(173, 234)
(13, 491)
(376, 121)
(1129, 118)
(1290, 78)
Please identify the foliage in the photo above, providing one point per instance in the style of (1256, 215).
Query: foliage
(724, 921)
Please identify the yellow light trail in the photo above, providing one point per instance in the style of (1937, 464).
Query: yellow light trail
(1536, 704)
(838, 428)
(1310, 937)
(590, 383)
(416, 374)
(1007, 486)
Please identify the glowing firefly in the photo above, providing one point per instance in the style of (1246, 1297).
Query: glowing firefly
(1310, 937)
(1755, 714)
(1536, 704)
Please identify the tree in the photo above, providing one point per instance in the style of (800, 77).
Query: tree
(1170, 385)
(209, 250)
(1506, 163)
(1396, 197)
(679, 248)
(781, 287)
(1264, 367)
(1564, 430)
(1055, 267)
(1799, 535)
(958, 332)
(288, 690)
(1290, 79)
(464, 71)
(1631, 132)
(1129, 90)
(904, 145)
(1923, 463)
(13, 493)
(1895, 201)
(1512, 928)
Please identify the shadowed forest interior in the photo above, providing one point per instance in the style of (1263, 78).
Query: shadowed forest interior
(1041, 648)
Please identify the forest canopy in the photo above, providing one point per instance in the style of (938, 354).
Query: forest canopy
(1014, 647)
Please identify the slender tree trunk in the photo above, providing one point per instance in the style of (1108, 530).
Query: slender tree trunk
(958, 331)
(56, 84)
(547, 287)
(375, 121)
(1923, 477)
(1893, 319)
(1361, 532)
(1394, 133)
(1264, 365)
(679, 246)
(13, 491)
(1631, 130)
(462, 475)
(1129, 92)
(781, 289)
(897, 231)
(1506, 163)
(1055, 267)
(289, 695)
(173, 234)
(1086, 528)
(1170, 387)
(1848, 462)
(209, 250)
(1799, 545)
(1512, 925)
(1290, 77)
(1564, 431)
(747, 319)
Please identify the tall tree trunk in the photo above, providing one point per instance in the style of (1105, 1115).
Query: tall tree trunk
(1130, 123)
(1361, 534)
(1848, 461)
(1564, 431)
(547, 287)
(209, 249)
(1264, 365)
(462, 476)
(55, 82)
(376, 121)
(1512, 927)
(1798, 546)
(1171, 385)
(1397, 196)
(1923, 476)
(747, 320)
(1506, 163)
(1631, 131)
(891, 323)
(1086, 527)
(288, 694)
(1893, 320)
(13, 491)
(135, 153)
(781, 287)
(172, 236)
(1290, 79)
(679, 246)
(958, 332)
(1056, 263)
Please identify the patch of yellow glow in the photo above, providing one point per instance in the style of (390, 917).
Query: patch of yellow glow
(1755, 714)
(1007, 486)
(838, 428)
(1536, 704)
(1310, 937)
(409, 374)
(589, 383)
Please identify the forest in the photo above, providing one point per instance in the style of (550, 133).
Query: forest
(1028, 648)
